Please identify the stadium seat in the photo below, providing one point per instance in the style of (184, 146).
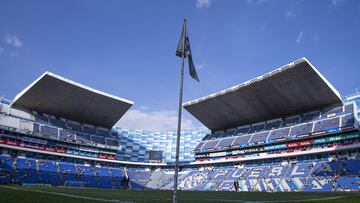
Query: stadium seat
(310, 117)
(67, 135)
(89, 130)
(327, 124)
(225, 143)
(349, 108)
(257, 127)
(348, 120)
(273, 125)
(279, 134)
(291, 121)
(259, 137)
(243, 130)
(332, 112)
(98, 139)
(241, 140)
(210, 145)
(47, 130)
(57, 122)
(301, 129)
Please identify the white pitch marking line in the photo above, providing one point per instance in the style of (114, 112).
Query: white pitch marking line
(220, 200)
(302, 200)
(68, 195)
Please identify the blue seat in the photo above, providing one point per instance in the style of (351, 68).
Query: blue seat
(241, 140)
(301, 129)
(225, 143)
(279, 134)
(98, 139)
(348, 120)
(211, 144)
(47, 130)
(259, 137)
(327, 124)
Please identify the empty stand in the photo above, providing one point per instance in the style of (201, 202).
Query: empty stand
(257, 127)
(241, 140)
(301, 129)
(243, 130)
(225, 143)
(310, 117)
(279, 134)
(259, 137)
(67, 135)
(273, 125)
(327, 124)
(210, 144)
(47, 130)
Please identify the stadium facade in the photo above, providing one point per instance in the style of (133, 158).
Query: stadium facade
(287, 130)
(139, 145)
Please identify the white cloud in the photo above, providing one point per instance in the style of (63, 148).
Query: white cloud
(259, 1)
(290, 14)
(299, 38)
(144, 108)
(294, 9)
(199, 66)
(13, 40)
(264, 1)
(153, 120)
(1, 50)
(336, 2)
(203, 3)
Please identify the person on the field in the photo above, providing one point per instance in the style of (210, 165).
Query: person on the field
(236, 185)
(127, 182)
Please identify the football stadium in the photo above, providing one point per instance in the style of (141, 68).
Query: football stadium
(285, 136)
(89, 91)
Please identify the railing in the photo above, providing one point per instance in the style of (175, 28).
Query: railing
(22, 126)
(353, 95)
(287, 137)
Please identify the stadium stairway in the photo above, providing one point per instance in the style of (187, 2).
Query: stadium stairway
(336, 180)
(309, 176)
(267, 185)
(254, 184)
(278, 182)
(226, 177)
(154, 181)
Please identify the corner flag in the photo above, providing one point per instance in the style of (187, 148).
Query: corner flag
(183, 50)
(184, 43)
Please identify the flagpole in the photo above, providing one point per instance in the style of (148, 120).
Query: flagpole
(179, 118)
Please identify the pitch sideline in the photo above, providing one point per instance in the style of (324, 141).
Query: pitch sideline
(302, 200)
(220, 200)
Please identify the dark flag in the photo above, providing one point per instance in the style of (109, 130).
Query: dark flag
(184, 50)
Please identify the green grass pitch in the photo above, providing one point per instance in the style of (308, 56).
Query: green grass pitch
(13, 193)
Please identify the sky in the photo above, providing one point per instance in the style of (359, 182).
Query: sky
(127, 47)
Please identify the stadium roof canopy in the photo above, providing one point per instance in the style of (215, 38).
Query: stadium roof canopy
(292, 89)
(58, 96)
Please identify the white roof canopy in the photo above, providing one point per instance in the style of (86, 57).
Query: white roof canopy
(294, 88)
(58, 96)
